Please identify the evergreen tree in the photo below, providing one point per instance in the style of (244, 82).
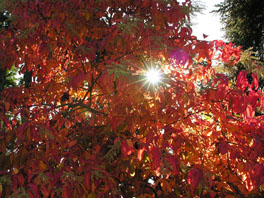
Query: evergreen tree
(244, 23)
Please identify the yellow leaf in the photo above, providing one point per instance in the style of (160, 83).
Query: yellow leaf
(75, 159)
(42, 166)
(92, 195)
(1, 190)
(133, 174)
(68, 124)
(93, 187)
(164, 184)
(15, 171)
(87, 16)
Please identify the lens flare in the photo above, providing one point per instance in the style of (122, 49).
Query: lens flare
(153, 76)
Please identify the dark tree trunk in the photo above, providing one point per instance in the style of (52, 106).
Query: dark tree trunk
(2, 79)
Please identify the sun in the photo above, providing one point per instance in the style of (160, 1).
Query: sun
(153, 76)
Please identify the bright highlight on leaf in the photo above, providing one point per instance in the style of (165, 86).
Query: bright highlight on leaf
(153, 76)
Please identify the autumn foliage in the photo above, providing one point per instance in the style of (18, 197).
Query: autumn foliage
(86, 123)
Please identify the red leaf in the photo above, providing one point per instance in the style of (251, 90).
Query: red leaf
(77, 79)
(66, 192)
(249, 113)
(43, 49)
(156, 157)
(141, 153)
(87, 180)
(6, 122)
(7, 105)
(175, 164)
(242, 82)
(72, 143)
(223, 148)
(125, 148)
(150, 137)
(29, 175)
(194, 177)
(234, 153)
(145, 3)
(14, 182)
(258, 174)
(21, 180)
(34, 189)
(44, 191)
(255, 84)
(20, 130)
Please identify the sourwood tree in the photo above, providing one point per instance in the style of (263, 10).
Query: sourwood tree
(88, 120)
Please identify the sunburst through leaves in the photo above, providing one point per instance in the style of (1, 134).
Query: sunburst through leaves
(153, 76)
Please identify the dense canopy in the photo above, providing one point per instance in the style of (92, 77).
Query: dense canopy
(85, 120)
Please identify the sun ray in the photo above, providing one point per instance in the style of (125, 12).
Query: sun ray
(153, 76)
